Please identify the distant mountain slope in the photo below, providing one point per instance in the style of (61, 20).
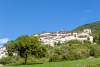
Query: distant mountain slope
(95, 28)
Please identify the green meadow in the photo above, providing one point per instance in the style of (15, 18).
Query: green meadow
(75, 63)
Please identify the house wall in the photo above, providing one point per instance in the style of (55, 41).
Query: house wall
(91, 39)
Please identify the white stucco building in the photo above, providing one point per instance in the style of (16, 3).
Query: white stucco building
(3, 51)
(51, 37)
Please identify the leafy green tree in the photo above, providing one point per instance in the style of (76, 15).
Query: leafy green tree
(27, 45)
(41, 52)
(95, 39)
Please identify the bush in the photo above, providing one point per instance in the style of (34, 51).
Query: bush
(78, 55)
(42, 60)
(58, 51)
(55, 58)
(86, 54)
(5, 60)
(94, 51)
(87, 42)
(96, 55)
(64, 57)
(74, 42)
(72, 56)
(70, 48)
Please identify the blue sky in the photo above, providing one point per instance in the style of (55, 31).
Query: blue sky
(27, 17)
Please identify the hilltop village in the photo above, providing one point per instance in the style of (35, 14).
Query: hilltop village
(51, 37)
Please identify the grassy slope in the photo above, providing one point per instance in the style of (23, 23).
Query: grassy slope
(93, 26)
(76, 63)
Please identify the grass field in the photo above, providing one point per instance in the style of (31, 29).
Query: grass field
(76, 63)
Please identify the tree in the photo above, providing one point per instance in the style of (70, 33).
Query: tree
(55, 43)
(10, 47)
(58, 43)
(99, 40)
(27, 45)
(44, 32)
(96, 39)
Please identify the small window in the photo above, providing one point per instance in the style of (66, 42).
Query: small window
(88, 38)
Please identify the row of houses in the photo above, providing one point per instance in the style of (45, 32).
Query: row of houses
(3, 52)
(51, 37)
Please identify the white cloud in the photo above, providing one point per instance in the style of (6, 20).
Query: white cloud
(3, 40)
(88, 11)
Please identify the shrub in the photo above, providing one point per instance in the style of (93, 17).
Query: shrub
(87, 42)
(74, 42)
(20, 61)
(86, 54)
(5, 60)
(58, 51)
(70, 48)
(78, 55)
(96, 55)
(55, 58)
(64, 57)
(72, 56)
(94, 51)
(42, 60)
(68, 56)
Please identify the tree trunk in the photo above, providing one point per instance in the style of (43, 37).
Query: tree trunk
(25, 59)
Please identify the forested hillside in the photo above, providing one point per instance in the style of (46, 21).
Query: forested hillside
(95, 28)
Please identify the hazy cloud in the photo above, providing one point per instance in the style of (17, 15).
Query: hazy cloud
(3, 40)
(88, 11)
